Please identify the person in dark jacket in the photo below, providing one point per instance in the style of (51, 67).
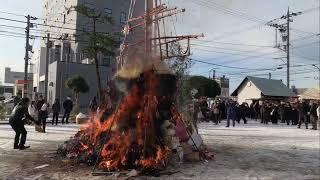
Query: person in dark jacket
(288, 113)
(16, 100)
(67, 105)
(231, 113)
(313, 115)
(303, 112)
(55, 110)
(262, 111)
(295, 114)
(256, 108)
(17, 123)
(242, 113)
(223, 110)
(267, 114)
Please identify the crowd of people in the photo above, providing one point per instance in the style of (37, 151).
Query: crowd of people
(291, 113)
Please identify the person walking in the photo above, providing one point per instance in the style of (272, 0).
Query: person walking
(303, 111)
(231, 114)
(43, 115)
(313, 115)
(67, 105)
(17, 123)
(55, 111)
(242, 113)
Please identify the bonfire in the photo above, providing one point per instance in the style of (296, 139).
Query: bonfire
(141, 132)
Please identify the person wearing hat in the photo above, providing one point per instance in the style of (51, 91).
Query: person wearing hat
(17, 123)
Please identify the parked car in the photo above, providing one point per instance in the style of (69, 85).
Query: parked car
(9, 104)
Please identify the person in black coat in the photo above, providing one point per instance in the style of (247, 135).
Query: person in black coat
(267, 113)
(303, 113)
(288, 113)
(55, 110)
(242, 113)
(17, 123)
(67, 105)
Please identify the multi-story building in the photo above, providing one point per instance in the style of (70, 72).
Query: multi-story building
(69, 33)
(224, 85)
(16, 81)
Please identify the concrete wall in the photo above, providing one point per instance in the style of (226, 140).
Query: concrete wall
(39, 69)
(59, 72)
(248, 91)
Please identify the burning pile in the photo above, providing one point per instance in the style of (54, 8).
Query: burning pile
(140, 133)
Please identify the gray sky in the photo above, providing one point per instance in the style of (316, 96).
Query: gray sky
(222, 23)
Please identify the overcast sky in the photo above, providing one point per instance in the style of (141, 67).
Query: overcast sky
(235, 36)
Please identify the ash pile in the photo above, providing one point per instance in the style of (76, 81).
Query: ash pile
(144, 132)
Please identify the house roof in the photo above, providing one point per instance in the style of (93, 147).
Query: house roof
(268, 87)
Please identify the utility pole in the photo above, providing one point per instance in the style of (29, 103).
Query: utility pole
(288, 48)
(26, 58)
(148, 27)
(285, 33)
(46, 82)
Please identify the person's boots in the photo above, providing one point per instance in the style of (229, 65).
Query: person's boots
(23, 147)
(15, 146)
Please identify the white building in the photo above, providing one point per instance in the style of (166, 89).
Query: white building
(39, 70)
(253, 88)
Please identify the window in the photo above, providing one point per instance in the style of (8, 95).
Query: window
(108, 12)
(123, 17)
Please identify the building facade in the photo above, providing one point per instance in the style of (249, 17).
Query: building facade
(69, 34)
(253, 88)
(224, 85)
(10, 77)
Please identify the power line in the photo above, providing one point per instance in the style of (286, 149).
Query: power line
(234, 44)
(231, 67)
(13, 20)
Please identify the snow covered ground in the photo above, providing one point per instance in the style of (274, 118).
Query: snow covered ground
(247, 151)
